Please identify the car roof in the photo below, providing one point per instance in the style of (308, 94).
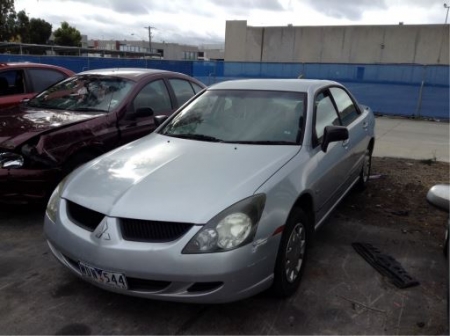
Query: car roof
(129, 73)
(32, 65)
(268, 84)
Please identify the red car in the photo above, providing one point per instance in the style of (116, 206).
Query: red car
(80, 118)
(20, 81)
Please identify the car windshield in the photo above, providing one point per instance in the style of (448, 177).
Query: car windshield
(84, 93)
(241, 116)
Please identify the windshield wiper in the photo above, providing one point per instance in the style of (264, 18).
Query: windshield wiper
(87, 109)
(44, 107)
(263, 142)
(200, 137)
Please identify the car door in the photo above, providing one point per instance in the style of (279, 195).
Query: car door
(329, 174)
(352, 118)
(153, 95)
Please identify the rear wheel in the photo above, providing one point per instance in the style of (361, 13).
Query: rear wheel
(365, 170)
(292, 254)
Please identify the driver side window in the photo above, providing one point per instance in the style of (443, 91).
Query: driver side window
(326, 114)
(155, 96)
(344, 103)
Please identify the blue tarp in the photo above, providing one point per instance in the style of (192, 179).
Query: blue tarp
(391, 89)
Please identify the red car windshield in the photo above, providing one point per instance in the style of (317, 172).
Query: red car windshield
(84, 93)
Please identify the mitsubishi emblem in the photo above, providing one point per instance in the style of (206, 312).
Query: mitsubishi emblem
(101, 231)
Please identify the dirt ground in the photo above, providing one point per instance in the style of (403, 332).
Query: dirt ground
(396, 197)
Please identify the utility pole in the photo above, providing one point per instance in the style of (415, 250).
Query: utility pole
(150, 37)
(446, 16)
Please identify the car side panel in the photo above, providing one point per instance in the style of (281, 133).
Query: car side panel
(359, 139)
(328, 179)
(8, 101)
(309, 172)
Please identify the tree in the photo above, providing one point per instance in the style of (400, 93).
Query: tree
(40, 31)
(67, 35)
(22, 27)
(7, 20)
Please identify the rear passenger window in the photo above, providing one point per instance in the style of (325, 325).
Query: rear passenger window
(43, 78)
(182, 89)
(346, 108)
(326, 115)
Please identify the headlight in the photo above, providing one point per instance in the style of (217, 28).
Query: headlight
(53, 202)
(11, 160)
(230, 229)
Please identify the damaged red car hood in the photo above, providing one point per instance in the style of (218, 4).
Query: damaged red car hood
(20, 124)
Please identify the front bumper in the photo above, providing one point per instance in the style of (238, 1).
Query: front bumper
(199, 278)
(27, 185)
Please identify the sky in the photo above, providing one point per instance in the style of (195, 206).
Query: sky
(201, 22)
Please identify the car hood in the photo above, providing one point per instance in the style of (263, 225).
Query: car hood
(169, 179)
(18, 125)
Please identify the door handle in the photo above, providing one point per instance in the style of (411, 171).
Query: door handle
(345, 143)
(365, 125)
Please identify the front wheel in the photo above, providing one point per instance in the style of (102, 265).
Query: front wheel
(292, 254)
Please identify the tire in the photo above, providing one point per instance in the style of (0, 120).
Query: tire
(292, 254)
(365, 171)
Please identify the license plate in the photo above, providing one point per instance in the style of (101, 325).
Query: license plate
(112, 279)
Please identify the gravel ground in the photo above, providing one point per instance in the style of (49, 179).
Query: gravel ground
(396, 197)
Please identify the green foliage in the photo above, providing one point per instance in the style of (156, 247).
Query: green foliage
(17, 27)
(67, 35)
(40, 31)
(22, 27)
(7, 20)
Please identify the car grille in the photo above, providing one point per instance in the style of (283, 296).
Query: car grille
(152, 231)
(86, 218)
(199, 287)
(145, 285)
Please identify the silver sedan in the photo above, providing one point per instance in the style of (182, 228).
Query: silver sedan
(222, 200)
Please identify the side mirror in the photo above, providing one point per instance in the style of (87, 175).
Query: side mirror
(143, 112)
(159, 119)
(439, 196)
(24, 101)
(333, 134)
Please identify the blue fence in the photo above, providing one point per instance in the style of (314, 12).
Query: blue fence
(407, 90)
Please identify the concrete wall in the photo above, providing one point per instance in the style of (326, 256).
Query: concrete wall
(419, 44)
(235, 46)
